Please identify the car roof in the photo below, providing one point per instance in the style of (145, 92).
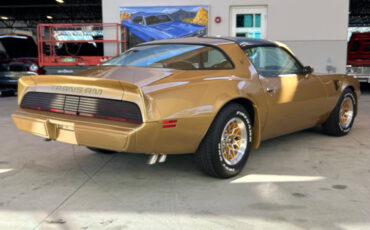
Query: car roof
(242, 42)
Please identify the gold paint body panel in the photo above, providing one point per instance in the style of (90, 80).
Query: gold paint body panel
(192, 97)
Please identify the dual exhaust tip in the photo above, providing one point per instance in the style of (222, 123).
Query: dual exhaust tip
(156, 158)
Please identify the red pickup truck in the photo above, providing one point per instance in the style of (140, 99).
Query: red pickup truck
(358, 59)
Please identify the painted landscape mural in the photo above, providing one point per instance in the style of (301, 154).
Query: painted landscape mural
(144, 24)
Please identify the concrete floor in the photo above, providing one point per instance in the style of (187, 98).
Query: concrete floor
(305, 180)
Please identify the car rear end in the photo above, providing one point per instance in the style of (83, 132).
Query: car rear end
(18, 57)
(92, 112)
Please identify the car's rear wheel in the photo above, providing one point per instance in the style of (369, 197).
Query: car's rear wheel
(101, 151)
(342, 117)
(225, 149)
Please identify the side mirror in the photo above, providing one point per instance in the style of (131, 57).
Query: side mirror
(307, 70)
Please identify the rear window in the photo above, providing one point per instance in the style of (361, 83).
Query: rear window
(17, 46)
(174, 56)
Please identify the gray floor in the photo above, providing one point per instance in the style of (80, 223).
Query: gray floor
(301, 181)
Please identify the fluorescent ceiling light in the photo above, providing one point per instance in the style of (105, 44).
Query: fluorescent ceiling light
(49, 17)
(60, 1)
(4, 18)
(13, 36)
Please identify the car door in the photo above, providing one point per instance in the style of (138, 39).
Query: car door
(294, 98)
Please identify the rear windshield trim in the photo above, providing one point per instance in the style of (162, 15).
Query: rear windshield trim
(199, 44)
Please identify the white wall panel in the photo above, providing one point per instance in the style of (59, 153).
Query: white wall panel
(315, 29)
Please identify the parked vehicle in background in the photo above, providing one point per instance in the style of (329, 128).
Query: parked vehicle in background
(18, 57)
(156, 26)
(358, 59)
(72, 47)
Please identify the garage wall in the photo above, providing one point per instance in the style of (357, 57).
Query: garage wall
(316, 30)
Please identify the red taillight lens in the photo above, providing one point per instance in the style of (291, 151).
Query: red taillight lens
(169, 123)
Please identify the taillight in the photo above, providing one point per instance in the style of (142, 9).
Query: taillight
(101, 108)
(169, 123)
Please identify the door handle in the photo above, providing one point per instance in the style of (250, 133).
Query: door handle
(270, 89)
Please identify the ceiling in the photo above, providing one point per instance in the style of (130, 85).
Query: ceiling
(359, 13)
(28, 13)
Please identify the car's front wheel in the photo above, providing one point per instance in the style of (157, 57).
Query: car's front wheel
(342, 117)
(225, 148)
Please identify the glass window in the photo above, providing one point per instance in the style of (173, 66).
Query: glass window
(138, 20)
(273, 61)
(248, 25)
(367, 48)
(355, 46)
(257, 20)
(174, 56)
(240, 20)
(157, 19)
(248, 20)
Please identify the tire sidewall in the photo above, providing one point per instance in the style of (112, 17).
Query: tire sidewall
(350, 95)
(221, 166)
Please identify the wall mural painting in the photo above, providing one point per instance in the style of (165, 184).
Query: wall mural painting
(143, 24)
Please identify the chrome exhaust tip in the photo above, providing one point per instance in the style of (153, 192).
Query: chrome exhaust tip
(152, 159)
(162, 158)
(155, 157)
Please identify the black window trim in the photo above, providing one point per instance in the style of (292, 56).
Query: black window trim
(199, 44)
(271, 45)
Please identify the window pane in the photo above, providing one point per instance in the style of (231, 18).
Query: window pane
(355, 46)
(239, 20)
(250, 34)
(214, 59)
(240, 35)
(273, 61)
(174, 56)
(248, 20)
(257, 34)
(257, 20)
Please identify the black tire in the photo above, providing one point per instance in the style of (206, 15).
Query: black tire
(101, 151)
(209, 157)
(332, 125)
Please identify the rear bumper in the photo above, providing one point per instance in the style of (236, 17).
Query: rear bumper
(363, 78)
(361, 73)
(147, 137)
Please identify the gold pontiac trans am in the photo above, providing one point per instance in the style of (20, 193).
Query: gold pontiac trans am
(215, 97)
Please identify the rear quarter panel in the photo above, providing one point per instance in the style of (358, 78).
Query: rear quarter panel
(194, 98)
(335, 84)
